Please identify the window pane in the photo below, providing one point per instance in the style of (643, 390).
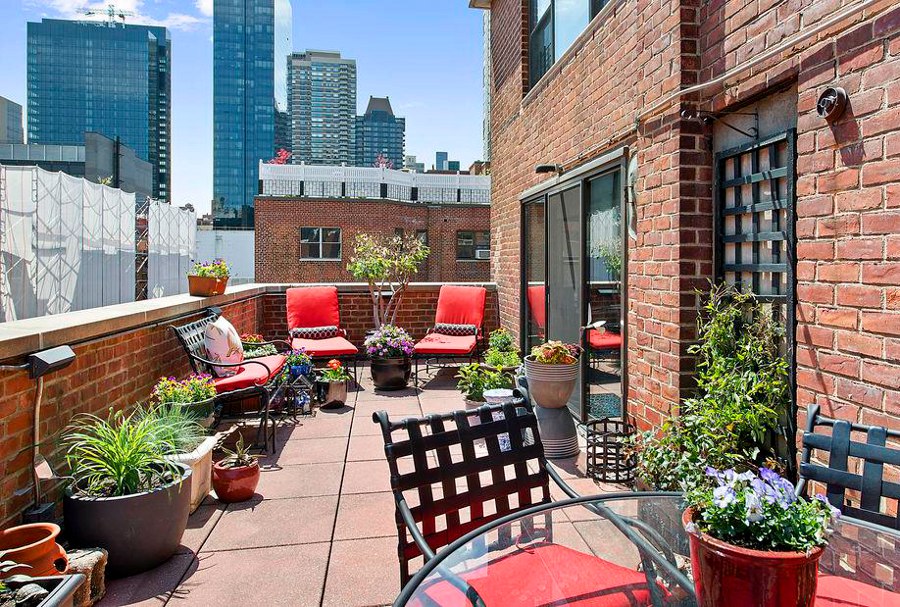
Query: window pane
(331, 251)
(533, 268)
(483, 240)
(538, 8)
(570, 17)
(332, 235)
(309, 251)
(465, 245)
(540, 54)
(309, 235)
(422, 235)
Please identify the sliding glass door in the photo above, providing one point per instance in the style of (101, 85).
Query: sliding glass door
(534, 302)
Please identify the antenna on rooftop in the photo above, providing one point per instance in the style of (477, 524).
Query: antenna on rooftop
(112, 13)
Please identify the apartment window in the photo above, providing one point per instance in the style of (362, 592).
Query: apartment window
(320, 243)
(422, 235)
(473, 244)
(554, 26)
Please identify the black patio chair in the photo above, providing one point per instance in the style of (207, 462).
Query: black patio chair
(854, 477)
(433, 454)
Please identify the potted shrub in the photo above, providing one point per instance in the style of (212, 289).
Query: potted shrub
(236, 476)
(332, 384)
(195, 394)
(389, 349)
(502, 354)
(208, 278)
(33, 546)
(552, 370)
(386, 263)
(754, 541)
(298, 363)
(186, 442)
(474, 379)
(125, 495)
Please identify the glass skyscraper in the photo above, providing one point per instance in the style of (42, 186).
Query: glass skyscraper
(322, 105)
(251, 46)
(378, 131)
(107, 77)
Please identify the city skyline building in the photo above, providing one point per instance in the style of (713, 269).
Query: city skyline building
(440, 161)
(105, 77)
(410, 163)
(322, 107)
(251, 46)
(380, 132)
(11, 130)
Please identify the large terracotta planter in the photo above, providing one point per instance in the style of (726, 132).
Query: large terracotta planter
(200, 462)
(391, 373)
(725, 574)
(33, 545)
(550, 386)
(139, 531)
(206, 286)
(235, 484)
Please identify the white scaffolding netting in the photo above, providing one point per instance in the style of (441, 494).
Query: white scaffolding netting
(66, 244)
(172, 240)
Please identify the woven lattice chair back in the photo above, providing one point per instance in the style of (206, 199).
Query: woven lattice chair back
(853, 463)
(461, 470)
(192, 340)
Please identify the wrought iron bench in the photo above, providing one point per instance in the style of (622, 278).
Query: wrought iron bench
(857, 494)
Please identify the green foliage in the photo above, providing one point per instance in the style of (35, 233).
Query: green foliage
(502, 340)
(260, 351)
(386, 262)
(610, 253)
(474, 379)
(334, 371)
(296, 358)
(556, 353)
(211, 269)
(175, 426)
(742, 387)
(240, 457)
(498, 359)
(119, 455)
(194, 389)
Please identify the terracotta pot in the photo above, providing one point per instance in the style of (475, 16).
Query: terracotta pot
(550, 386)
(206, 286)
(235, 484)
(33, 545)
(391, 373)
(725, 574)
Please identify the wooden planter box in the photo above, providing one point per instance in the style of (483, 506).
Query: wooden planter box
(206, 286)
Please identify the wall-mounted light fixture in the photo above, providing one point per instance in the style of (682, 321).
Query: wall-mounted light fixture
(832, 103)
(549, 168)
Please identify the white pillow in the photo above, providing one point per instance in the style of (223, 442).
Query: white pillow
(223, 344)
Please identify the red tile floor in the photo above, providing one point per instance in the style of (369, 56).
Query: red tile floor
(320, 530)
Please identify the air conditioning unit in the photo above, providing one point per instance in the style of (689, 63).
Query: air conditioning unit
(483, 254)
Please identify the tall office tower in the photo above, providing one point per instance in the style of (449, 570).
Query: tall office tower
(106, 77)
(251, 45)
(11, 122)
(378, 131)
(440, 161)
(322, 105)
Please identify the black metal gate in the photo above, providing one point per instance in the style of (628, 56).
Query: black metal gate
(755, 241)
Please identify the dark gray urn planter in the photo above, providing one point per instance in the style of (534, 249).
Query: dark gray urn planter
(139, 531)
(62, 588)
(391, 373)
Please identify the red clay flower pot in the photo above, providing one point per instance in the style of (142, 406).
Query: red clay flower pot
(235, 484)
(730, 576)
(34, 545)
(206, 286)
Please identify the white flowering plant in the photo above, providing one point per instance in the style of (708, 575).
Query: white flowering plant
(760, 511)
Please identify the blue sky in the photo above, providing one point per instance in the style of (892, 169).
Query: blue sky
(426, 55)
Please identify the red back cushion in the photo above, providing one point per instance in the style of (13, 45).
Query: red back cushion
(313, 307)
(536, 305)
(458, 305)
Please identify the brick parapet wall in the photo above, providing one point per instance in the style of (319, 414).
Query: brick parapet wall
(121, 351)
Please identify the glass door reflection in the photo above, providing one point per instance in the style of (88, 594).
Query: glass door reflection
(533, 258)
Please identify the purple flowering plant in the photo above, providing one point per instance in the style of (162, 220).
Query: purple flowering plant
(195, 388)
(760, 511)
(297, 357)
(389, 342)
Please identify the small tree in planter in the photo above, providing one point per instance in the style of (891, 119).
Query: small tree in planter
(389, 349)
(208, 278)
(236, 477)
(386, 262)
(754, 541)
(333, 384)
(552, 370)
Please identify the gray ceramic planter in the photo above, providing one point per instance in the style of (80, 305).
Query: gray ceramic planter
(550, 386)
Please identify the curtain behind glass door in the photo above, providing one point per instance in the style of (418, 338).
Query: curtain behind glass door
(564, 273)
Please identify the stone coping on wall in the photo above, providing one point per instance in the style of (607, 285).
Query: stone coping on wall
(22, 337)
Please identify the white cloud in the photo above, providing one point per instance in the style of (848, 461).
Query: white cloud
(205, 7)
(76, 9)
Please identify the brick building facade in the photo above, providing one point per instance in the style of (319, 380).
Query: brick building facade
(753, 73)
(447, 229)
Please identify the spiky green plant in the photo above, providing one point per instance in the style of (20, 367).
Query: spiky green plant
(176, 426)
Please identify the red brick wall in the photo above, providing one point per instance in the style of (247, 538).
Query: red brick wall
(278, 223)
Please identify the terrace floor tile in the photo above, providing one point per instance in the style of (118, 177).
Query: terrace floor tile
(304, 480)
(151, 588)
(366, 515)
(362, 572)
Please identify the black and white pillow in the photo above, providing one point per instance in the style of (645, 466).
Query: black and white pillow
(315, 332)
(451, 329)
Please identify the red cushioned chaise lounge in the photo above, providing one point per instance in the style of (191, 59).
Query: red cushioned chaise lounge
(314, 320)
(457, 327)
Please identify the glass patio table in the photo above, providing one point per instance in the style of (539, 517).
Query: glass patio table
(624, 549)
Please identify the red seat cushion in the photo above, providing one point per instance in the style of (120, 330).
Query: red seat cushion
(460, 305)
(604, 340)
(548, 574)
(313, 307)
(535, 295)
(834, 591)
(250, 374)
(331, 346)
(438, 343)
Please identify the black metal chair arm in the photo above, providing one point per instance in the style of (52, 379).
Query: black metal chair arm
(287, 344)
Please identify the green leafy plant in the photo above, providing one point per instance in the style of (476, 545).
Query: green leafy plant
(501, 340)
(742, 388)
(119, 455)
(386, 262)
(760, 512)
(501, 358)
(474, 379)
(334, 371)
(210, 269)
(297, 357)
(556, 353)
(260, 351)
(240, 457)
(610, 253)
(175, 426)
(193, 389)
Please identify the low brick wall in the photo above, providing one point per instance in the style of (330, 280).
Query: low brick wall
(121, 351)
